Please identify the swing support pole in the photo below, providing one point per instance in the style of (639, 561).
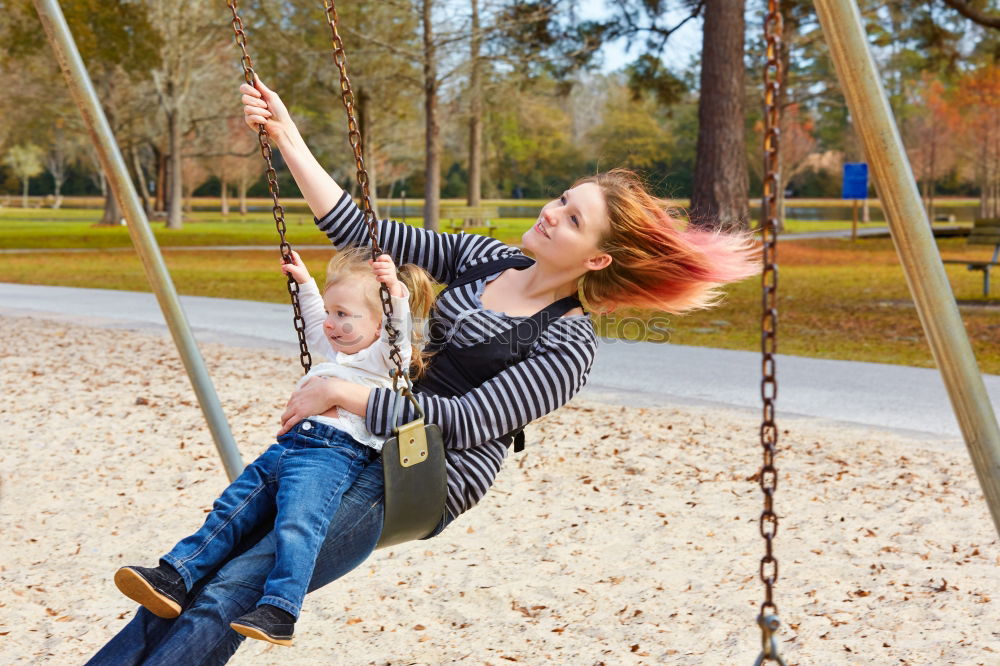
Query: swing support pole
(62, 43)
(912, 235)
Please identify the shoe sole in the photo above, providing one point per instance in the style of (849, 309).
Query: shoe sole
(138, 589)
(254, 632)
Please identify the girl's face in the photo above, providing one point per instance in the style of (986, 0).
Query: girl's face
(569, 231)
(351, 324)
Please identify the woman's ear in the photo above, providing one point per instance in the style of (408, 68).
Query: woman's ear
(599, 261)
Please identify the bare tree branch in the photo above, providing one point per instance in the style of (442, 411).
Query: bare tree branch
(965, 9)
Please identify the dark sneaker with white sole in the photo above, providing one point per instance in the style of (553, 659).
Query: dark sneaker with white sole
(160, 590)
(266, 623)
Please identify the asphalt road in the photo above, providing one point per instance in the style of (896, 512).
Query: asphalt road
(902, 398)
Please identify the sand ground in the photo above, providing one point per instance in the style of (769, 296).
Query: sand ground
(623, 535)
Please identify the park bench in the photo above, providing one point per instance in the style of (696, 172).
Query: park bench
(469, 218)
(985, 231)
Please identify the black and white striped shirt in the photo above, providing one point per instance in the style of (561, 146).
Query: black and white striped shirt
(556, 368)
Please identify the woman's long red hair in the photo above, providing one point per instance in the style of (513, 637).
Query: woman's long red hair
(658, 262)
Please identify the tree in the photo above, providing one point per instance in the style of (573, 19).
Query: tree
(191, 68)
(25, 160)
(118, 44)
(432, 127)
(978, 97)
(797, 148)
(721, 185)
(630, 134)
(975, 11)
(235, 159)
(929, 137)
(475, 110)
(64, 149)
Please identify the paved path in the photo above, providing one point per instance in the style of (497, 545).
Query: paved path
(877, 394)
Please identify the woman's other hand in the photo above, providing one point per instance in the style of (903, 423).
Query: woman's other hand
(262, 106)
(297, 269)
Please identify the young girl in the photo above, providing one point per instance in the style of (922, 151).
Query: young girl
(305, 474)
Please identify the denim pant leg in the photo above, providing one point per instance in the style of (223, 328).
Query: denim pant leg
(311, 481)
(247, 501)
(201, 635)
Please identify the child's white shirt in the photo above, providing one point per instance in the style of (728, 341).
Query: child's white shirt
(370, 366)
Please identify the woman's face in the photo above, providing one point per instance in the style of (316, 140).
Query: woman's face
(351, 325)
(569, 230)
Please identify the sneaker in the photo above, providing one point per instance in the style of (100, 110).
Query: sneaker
(160, 590)
(266, 623)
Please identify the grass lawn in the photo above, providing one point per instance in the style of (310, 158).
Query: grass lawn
(39, 228)
(837, 299)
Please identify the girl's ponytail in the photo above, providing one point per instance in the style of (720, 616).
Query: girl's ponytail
(421, 286)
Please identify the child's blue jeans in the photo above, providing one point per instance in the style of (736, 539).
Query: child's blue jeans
(300, 480)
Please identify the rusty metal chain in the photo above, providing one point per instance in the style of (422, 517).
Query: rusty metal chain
(768, 617)
(272, 184)
(354, 137)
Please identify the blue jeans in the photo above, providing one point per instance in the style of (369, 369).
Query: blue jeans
(300, 480)
(201, 635)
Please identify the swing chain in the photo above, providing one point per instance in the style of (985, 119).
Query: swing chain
(355, 139)
(769, 645)
(768, 476)
(272, 184)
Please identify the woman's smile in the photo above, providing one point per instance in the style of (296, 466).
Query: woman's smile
(541, 229)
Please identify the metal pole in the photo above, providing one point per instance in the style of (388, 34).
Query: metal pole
(914, 240)
(86, 99)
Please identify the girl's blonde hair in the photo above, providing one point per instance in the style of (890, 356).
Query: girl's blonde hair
(657, 261)
(352, 264)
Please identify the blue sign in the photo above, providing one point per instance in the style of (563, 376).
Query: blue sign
(855, 181)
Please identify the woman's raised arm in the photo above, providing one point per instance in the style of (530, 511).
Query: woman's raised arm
(262, 106)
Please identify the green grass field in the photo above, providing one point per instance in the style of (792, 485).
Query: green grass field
(837, 299)
(40, 227)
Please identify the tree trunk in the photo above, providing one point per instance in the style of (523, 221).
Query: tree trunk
(224, 191)
(57, 194)
(984, 181)
(475, 114)
(367, 145)
(175, 217)
(112, 213)
(141, 178)
(721, 181)
(160, 204)
(24, 192)
(432, 162)
(241, 191)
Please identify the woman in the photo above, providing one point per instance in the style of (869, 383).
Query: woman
(605, 237)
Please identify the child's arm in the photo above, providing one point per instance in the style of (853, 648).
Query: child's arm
(402, 320)
(311, 305)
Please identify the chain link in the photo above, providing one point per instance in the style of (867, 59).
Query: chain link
(272, 185)
(354, 137)
(768, 477)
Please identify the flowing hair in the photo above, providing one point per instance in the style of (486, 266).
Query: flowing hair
(352, 264)
(658, 262)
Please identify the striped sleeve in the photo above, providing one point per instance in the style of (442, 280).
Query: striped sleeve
(439, 253)
(513, 398)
